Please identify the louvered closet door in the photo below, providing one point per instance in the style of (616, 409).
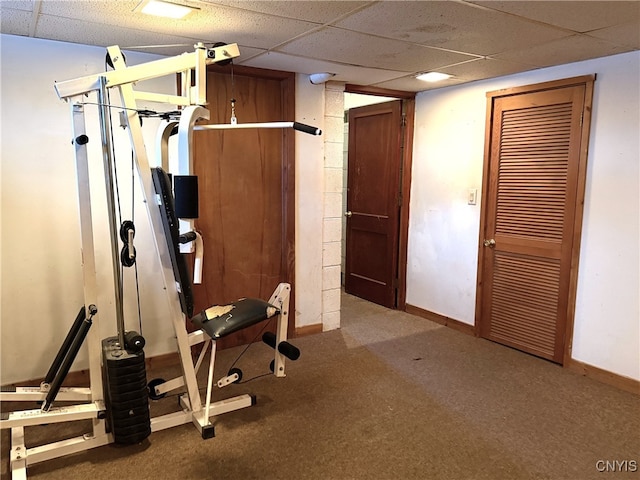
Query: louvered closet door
(533, 178)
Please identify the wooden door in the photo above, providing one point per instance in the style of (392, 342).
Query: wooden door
(373, 202)
(246, 192)
(532, 216)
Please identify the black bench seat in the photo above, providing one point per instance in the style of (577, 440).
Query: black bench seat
(220, 320)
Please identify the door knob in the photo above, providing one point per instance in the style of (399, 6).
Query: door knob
(348, 214)
(489, 243)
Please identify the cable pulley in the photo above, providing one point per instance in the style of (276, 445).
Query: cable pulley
(128, 252)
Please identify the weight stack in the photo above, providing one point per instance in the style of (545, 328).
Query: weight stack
(125, 392)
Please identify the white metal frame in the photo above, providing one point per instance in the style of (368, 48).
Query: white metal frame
(91, 399)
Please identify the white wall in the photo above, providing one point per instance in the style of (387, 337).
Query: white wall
(443, 229)
(42, 287)
(309, 198)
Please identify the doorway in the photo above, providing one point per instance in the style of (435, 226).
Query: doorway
(534, 176)
(377, 160)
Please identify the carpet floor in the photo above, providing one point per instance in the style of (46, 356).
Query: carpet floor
(387, 396)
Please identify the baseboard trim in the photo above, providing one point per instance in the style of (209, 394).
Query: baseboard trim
(441, 319)
(619, 381)
(80, 378)
(309, 330)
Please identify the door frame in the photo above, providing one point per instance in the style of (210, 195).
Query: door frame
(408, 112)
(587, 81)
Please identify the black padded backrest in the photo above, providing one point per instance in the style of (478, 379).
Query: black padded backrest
(162, 184)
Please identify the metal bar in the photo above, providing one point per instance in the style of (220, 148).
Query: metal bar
(69, 358)
(162, 143)
(232, 126)
(171, 420)
(188, 118)
(202, 354)
(301, 127)
(64, 348)
(26, 418)
(66, 364)
(162, 98)
(162, 249)
(207, 404)
(88, 257)
(145, 71)
(69, 446)
(197, 336)
(107, 149)
(229, 405)
(36, 394)
(18, 454)
(280, 298)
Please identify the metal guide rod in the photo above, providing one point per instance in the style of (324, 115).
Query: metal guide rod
(105, 130)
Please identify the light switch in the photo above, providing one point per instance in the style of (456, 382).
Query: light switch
(473, 196)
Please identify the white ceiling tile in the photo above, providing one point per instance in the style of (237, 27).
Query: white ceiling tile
(247, 53)
(381, 43)
(247, 28)
(485, 68)
(411, 84)
(98, 11)
(71, 30)
(354, 48)
(576, 16)
(209, 23)
(312, 11)
(567, 50)
(26, 5)
(15, 22)
(451, 25)
(624, 34)
(344, 73)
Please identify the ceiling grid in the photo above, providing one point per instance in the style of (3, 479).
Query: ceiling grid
(378, 43)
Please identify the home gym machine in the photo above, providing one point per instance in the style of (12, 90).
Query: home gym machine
(116, 401)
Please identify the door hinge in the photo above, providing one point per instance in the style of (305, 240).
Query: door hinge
(403, 120)
(581, 116)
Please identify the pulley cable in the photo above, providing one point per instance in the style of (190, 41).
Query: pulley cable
(133, 214)
(252, 342)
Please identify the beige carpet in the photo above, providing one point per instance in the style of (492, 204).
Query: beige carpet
(388, 396)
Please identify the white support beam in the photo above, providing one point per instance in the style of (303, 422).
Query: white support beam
(162, 249)
(36, 394)
(18, 458)
(196, 60)
(66, 447)
(26, 418)
(162, 98)
(280, 298)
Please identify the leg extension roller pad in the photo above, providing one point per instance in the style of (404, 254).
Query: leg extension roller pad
(285, 348)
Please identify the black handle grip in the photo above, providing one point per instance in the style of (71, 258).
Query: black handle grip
(301, 127)
(187, 237)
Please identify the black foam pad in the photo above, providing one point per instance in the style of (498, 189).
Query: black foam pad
(185, 191)
(162, 184)
(221, 320)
